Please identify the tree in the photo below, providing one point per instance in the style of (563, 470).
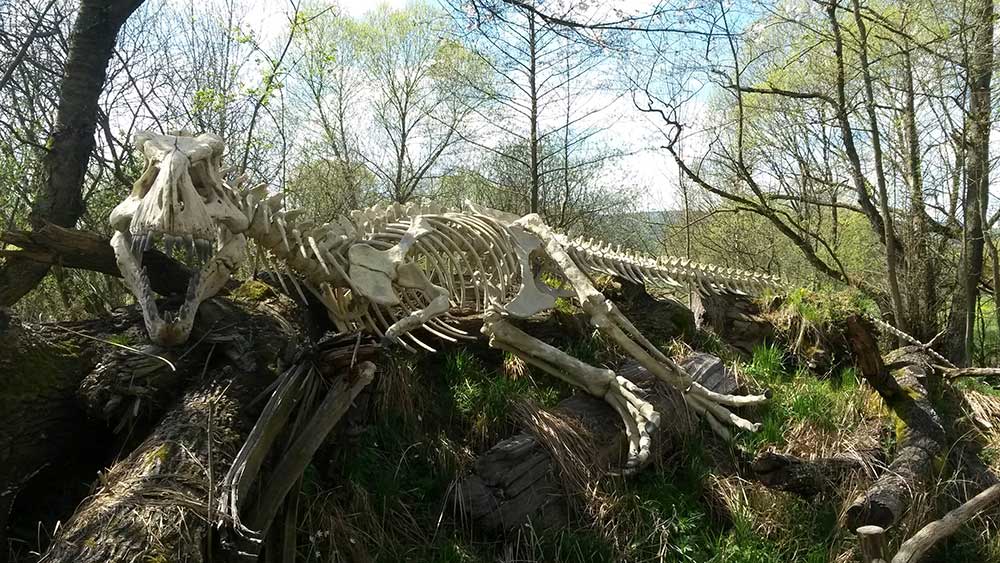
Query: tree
(978, 66)
(576, 195)
(788, 149)
(416, 103)
(72, 140)
(537, 113)
(328, 95)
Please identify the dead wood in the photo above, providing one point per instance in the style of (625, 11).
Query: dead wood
(954, 373)
(915, 547)
(41, 366)
(157, 502)
(874, 545)
(736, 319)
(805, 477)
(920, 434)
(73, 248)
(531, 476)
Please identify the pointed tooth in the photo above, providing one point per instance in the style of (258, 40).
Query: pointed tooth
(201, 250)
(137, 244)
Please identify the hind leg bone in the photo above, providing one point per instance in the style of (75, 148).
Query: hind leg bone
(612, 323)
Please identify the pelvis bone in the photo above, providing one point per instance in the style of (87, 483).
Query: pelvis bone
(182, 207)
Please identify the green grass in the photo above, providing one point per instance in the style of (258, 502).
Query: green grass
(389, 484)
(826, 308)
(674, 515)
(484, 398)
(799, 398)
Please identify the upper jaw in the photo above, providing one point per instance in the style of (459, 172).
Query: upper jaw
(193, 251)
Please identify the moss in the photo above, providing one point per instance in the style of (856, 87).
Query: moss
(125, 339)
(827, 308)
(160, 454)
(43, 366)
(252, 291)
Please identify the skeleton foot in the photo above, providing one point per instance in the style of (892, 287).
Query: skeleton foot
(640, 418)
(639, 415)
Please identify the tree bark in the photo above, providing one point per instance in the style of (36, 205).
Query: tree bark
(91, 46)
(977, 170)
(533, 116)
(921, 271)
(889, 231)
(920, 435)
(52, 244)
(158, 503)
(527, 477)
(42, 427)
(805, 477)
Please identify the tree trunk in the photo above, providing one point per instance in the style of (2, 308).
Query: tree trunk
(889, 233)
(921, 271)
(72, 248)
(847, 132)
(91, 45)
(901, 382)
(156, 503)
(805, 477)
(977, 170)
(533, 116)
(43, 430)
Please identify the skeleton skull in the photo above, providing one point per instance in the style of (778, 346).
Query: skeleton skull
(180, 206)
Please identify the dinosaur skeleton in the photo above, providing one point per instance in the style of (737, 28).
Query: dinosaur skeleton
(403, 271)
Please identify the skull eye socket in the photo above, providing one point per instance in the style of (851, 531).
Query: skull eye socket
(202, 180)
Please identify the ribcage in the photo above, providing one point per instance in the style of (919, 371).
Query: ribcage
(471, 256)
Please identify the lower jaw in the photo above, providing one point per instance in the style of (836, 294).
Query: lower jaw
(171, 328)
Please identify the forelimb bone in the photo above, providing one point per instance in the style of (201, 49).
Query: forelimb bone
(375, 272)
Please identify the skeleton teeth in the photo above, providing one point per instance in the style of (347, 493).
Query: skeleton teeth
(138, 244)
(204, 250)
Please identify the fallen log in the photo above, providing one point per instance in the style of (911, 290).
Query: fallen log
(86, 250)
(157, 502)
(45, 435)
(914, 548)
(805, 477)
(920, 434)
(526, 477)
